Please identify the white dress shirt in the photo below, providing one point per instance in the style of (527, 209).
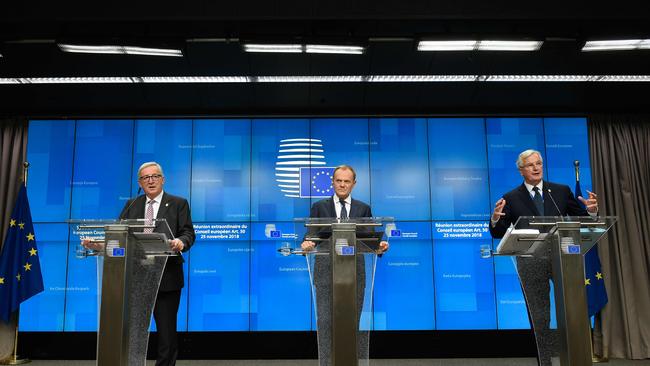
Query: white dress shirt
(530, 187)
(156, 204)
(337, 205)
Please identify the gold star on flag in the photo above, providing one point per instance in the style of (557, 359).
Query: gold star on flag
(32, 252)
(30, 237)
(587, 281)
(12, 223)
(28, 267)
(599, 275)
(2, 280)
(18, 277)
(22, 225)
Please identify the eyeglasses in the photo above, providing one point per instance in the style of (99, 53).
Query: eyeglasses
(531, 166)
(151, 177)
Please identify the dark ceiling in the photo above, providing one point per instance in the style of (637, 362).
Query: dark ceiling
(209, 33)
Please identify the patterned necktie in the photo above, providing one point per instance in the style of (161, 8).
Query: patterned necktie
(344, 212)
(539, 202)
(148, 216)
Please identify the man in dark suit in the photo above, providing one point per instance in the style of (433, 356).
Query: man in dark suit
(530, 199)
(158, 204)
(340, 206)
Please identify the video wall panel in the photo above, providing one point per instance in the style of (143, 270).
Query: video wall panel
(246, 181)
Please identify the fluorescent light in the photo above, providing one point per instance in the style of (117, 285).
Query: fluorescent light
(327, 79)
(128, 50)
(537, 78)
(348, 50)
(310, 79)
(196, 79)
(274, 48)
(81, 80)
(623, 78)
(446, 45)
(420, 78)
(9, 81)
(90, 49)
(471, 45)
(509, 45)
(615, 45)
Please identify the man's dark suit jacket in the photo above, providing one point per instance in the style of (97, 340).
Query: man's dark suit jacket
(520, 203)
(325, 208)
(176, 211)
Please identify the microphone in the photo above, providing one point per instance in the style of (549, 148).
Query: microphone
(126, 212)
(559, 213)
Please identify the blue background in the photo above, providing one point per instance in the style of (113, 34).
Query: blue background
(428, 173)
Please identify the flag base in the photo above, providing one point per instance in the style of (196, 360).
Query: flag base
(599, 359)
(15, 360)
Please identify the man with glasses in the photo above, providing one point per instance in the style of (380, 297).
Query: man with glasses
(529, 199)
(155, 203)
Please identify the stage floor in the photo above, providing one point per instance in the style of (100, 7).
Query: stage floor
(378, 362)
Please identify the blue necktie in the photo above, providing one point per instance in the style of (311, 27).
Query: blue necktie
(539, 202)
(344, 212)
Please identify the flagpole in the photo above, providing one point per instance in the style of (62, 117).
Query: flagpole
(594, 357)
(13, 359)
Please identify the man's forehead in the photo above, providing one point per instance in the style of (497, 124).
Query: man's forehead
(150, 170)
(343, 173)
(533, 157)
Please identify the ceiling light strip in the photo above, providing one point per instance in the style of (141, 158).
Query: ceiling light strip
(331, 49)
(474, 45)
(326, 79)
(273, 48)
(123, 50)
(616, 45)
(420, 78)
(310, 79)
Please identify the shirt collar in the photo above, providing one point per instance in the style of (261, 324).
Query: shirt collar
(348, 200)
(529, 187)
(158, 198)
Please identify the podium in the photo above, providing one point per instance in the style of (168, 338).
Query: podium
(130, 264)
(341, 272)
(563, 241)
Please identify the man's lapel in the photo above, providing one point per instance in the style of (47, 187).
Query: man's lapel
(164, 205)
(527, 201)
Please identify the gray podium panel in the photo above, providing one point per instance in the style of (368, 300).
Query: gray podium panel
(554, 248)
(130, 263)
(342, 271)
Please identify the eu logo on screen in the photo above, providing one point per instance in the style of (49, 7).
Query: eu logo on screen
(395, 233)
(276, 234)
(316, 182)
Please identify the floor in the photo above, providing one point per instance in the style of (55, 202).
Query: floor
(385, 362)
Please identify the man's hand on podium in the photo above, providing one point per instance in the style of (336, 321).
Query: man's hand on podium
(177, 245)
(308, 245)
(383, 247)
(91, 244)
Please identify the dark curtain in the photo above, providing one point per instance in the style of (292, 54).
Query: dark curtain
(620, 158)
(13, 147)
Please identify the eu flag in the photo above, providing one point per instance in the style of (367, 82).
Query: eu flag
(316, 182)
(20, 269)
(594, 281)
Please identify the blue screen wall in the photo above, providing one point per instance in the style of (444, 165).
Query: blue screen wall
(247, 179)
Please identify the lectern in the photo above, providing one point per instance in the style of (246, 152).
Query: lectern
(342, 269)
(564, 241)
(132, 261)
